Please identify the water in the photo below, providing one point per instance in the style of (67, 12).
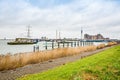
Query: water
(13, 49)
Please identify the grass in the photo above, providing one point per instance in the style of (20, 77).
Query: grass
(102, 66)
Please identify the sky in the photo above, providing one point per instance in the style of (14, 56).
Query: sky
(65, 16)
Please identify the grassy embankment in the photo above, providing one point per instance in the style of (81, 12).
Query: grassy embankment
(102, 66)
(19, 60)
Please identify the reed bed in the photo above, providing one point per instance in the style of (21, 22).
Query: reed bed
(100, 46)
(111, 43)
(18, 60)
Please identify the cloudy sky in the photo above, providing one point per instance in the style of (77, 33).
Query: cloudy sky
(66, 16)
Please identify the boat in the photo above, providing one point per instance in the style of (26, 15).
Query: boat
(22, 41)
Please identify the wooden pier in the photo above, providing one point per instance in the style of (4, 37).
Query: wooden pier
(62, 44)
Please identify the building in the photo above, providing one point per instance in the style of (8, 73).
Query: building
(44, 38)
(94, 37)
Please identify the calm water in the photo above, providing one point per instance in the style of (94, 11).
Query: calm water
(4, 48)
(13, 49)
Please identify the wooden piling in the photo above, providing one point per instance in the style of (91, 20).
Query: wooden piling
(46, 45)
(33, 48)
(71, 44)
(63, 44)
(58, 45)
(68, 44)
(80, 43)
(52, 44)
(75, 44)
(36, 48)
(83, 43)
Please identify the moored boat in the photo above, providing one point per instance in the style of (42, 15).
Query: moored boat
(22, 41)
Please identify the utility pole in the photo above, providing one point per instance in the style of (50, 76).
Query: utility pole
(28, 31)
(56, 35)
(59, 35)
(81, 33)
(81, 37)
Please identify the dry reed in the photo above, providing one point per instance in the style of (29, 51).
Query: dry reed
(18, 60)
(100, 46)
(111, 43)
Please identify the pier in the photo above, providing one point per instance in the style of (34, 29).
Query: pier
(53, 44)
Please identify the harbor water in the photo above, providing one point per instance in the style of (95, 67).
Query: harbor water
(14, 49)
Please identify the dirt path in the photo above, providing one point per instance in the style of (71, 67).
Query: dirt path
(40, 67)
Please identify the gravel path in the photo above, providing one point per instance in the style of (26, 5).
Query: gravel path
(40, 67)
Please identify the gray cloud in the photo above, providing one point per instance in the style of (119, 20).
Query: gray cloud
(95, 16)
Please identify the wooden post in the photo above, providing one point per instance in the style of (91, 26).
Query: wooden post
(92, 43)
(63, 44)
(75, 44)
(89, 43)
(83, 43)
(68, 44)
(58, 45)
(80, 43)
(33, 48)
(86, 43)
(46, 45)
(38, 48)
(52, 44)
(71, 44)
